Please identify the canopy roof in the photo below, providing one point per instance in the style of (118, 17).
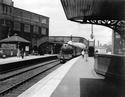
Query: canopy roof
(14, 38)
(79, 10)
(77, 44)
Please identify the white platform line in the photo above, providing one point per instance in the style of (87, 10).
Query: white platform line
(46, 86)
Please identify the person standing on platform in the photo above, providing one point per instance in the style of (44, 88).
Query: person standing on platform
(18, 52)
(86, 54)
(83, 53)
(22, 53)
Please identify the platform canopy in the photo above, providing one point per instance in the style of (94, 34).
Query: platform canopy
(110, 13)
(79, 10)
(14, 39)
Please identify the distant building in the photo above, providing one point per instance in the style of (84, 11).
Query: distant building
(118, 44)
(31, 26)
(101, 50)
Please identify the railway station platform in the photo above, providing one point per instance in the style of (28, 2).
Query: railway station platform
(16, 59)
(14, 65)
(76, 78)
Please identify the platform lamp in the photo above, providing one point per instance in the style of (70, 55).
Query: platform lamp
(91, 36)
(91, 44)
(18, 49)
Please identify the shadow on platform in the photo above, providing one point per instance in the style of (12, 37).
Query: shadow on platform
(101, 88)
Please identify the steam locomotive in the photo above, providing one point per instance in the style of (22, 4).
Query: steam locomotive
(68, 52)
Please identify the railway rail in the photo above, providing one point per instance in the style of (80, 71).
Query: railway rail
(12, 80)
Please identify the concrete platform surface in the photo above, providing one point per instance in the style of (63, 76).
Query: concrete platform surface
(76, 78)
(49, 85)
(71, 85)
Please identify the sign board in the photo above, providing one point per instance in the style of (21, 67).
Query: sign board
(27, 48)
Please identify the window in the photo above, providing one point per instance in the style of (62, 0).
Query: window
(7, 9)
(26, 28)
(17, 12)
(44, 21)
(36, 29)
(17, 26)
(4, 8)
(44, 31)
(8, 46)
(26, 15)
(35, 17)
(34, 41)
(10, 9)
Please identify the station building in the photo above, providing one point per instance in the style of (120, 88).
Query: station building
(31, 26)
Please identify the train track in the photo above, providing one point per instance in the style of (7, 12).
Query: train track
(14, 79)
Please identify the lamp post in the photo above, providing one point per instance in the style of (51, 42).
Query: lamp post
(91, 45)
(91, 36)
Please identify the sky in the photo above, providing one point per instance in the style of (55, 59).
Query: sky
(59, 25)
